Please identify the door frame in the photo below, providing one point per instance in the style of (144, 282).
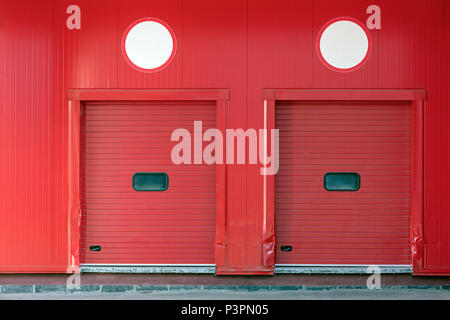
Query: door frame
(75, 99)
(417, 98)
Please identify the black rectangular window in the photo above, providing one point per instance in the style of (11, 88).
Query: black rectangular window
(150, 181)
(341, 181)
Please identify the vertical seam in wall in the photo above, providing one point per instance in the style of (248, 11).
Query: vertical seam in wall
(447, 66)
(119, 44)
(312, 44)
(378, 56)
(246, 125)
(444, 78)
(50, 145)
(182, 46)
(60, 65)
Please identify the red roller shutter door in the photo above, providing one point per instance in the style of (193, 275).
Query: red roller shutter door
(176, 226)
(368, 226)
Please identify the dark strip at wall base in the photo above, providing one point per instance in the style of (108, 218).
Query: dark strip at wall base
(27, 289)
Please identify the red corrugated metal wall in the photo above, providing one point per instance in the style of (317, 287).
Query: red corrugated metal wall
(33, 219)
(241, 45)
(369, 226)
(176, 226)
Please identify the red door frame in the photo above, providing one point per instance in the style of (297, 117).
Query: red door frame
(417, 99)
(75, 100)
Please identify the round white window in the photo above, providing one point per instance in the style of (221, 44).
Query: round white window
(149, 45)
(343, 44)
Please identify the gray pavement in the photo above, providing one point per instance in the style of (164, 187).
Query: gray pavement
(328, 294)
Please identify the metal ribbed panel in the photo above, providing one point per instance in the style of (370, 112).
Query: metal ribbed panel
(245, 46)
(173, 226)
(368, 226)
(30, 225)
(215, 56)
(94, 51)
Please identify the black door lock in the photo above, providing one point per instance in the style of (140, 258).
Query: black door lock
(95, 248)
(286, 248)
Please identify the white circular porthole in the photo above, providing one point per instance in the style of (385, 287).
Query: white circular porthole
(343, 44)
(149, 45)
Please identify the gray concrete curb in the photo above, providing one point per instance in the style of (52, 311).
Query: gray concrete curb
(6, 289)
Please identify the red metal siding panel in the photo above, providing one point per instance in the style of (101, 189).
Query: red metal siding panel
(31, 230)
(215, 56)
(368, 226)
(96, 53)
(176, 226)
(242, 45)
(437, 171)
(280, 51)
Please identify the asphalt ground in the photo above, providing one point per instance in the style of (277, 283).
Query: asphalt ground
(325, 294)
